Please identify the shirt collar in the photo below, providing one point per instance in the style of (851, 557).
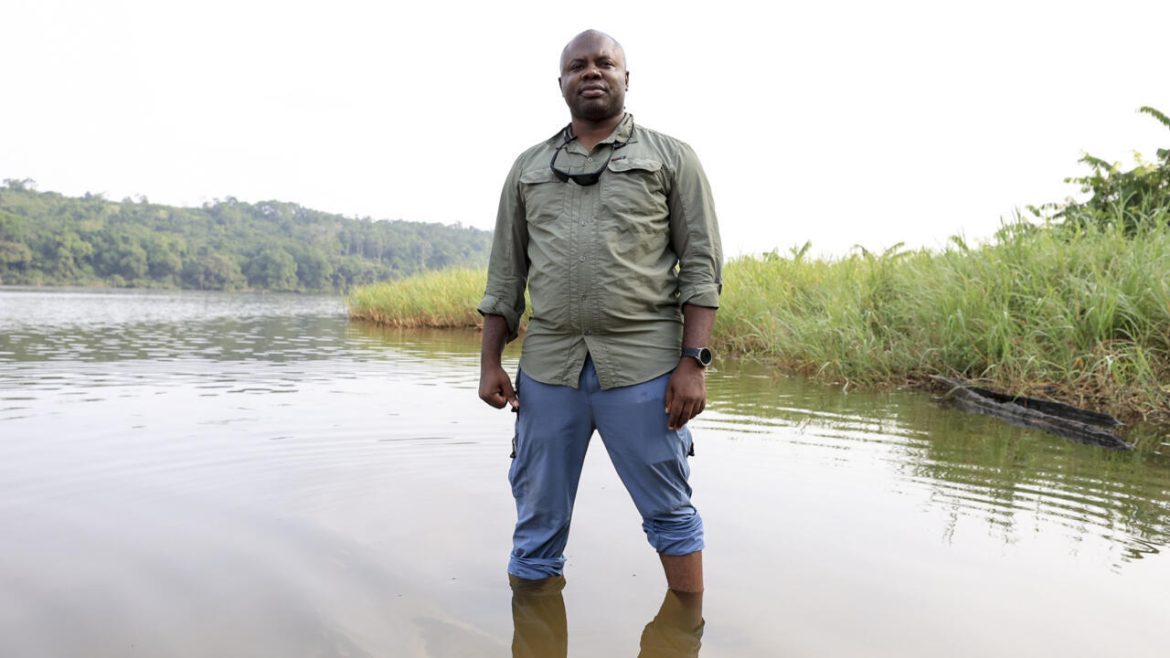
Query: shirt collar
(624, 133)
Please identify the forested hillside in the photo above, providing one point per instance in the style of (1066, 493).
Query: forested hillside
(50, 239)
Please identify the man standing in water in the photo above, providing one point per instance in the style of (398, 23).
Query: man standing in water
(594, 221)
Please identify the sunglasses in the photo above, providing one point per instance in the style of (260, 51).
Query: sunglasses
(583, 180)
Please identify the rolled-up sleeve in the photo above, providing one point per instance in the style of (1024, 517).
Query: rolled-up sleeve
(508, 265)
(694, 233)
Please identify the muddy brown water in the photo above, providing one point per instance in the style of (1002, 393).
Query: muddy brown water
(198, 474)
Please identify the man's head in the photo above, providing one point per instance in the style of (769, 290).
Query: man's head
(594, 78)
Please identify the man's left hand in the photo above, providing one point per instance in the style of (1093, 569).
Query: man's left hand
(686, 393)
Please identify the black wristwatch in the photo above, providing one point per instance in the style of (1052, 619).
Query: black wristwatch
(701, 354)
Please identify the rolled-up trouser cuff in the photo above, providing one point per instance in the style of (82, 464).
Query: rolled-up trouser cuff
(532, 568)
(678, 534)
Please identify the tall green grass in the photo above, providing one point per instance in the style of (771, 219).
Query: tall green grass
(1082, 315)
(438, 299)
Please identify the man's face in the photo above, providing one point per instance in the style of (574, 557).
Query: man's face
(594, 77)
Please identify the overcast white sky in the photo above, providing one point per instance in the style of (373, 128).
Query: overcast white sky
(838, 122)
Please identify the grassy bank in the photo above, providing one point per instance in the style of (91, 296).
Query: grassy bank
(441, 299)
(1083, 317)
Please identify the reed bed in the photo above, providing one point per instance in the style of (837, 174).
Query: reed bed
(1083, 317)
(438, 299)
(1079, 316)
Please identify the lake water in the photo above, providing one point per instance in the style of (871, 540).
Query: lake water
(197, 474)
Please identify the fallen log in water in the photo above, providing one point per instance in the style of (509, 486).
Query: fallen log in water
(1052, 417)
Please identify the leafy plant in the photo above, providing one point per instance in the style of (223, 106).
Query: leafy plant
(1134, 197)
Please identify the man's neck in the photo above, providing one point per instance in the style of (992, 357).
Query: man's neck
(590, 133)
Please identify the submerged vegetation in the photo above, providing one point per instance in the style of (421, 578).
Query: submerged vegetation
(50, 239)
(1074, 306)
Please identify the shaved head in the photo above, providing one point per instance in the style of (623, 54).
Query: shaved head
(591, 36)
(594, 78)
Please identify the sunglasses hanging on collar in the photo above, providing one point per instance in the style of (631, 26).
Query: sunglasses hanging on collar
(588, 179)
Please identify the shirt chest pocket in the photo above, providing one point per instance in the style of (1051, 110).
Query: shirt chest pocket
(633, 192)
(543, 195)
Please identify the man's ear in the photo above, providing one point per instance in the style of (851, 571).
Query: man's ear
(627, 80)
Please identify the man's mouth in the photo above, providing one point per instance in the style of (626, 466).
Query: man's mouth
(592, 92)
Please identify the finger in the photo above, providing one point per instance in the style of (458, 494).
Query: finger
(509, 394)
(669, 397)
(677, 419)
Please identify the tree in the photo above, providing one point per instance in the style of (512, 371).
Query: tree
(314, 271)
(1132, 197)
(272, 268)
(67, 254)
(22, 185)
(14, 256)
(212, 272)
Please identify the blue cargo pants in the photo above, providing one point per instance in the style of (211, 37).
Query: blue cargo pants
(553, 429)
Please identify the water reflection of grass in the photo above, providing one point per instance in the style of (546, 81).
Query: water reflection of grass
(429, 343)
(1015, 481)
(1083, 318)
(1001, 475)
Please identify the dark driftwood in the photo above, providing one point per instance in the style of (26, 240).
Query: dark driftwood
(1053, 417)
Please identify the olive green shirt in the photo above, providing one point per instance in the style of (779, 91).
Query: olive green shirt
(608, 266)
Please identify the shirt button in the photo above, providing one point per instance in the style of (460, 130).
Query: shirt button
(588, 159)
(582, 259)
(586, 332)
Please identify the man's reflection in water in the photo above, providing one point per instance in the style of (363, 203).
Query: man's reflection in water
(677, 628)
(541, 629)
(538, 617)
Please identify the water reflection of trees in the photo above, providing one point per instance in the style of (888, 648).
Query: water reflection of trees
(973, 466)
(270, 339)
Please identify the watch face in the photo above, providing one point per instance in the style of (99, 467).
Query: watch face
(705, 356)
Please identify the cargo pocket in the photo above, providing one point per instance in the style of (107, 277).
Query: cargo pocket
(634, 192)
(543, 195)
(516, 425)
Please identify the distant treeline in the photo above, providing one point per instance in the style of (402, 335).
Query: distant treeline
(50, 239)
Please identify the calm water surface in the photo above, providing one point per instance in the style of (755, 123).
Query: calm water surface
(188, 474)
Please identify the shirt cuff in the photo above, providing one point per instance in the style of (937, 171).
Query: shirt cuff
(491, 305)
(706, 294)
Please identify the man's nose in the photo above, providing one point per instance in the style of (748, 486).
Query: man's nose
(591, 72)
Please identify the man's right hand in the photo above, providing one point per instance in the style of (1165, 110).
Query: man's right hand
(495, 388)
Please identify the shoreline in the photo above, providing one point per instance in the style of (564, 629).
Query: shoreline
(1081, 318)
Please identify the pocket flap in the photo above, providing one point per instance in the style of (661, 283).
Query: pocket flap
(534, 176)
(631, 164)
